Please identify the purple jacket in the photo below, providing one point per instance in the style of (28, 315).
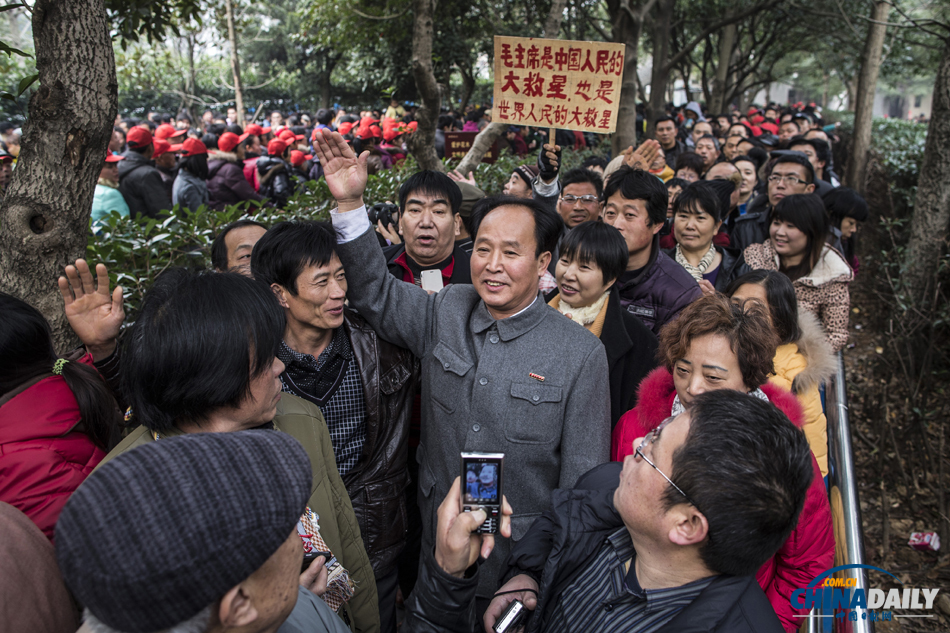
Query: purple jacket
(227, 184)
(658, 293)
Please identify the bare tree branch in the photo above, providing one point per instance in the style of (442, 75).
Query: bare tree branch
(379, 17)
(738, 17)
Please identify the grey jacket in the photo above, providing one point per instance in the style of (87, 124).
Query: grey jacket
(478, 394)
(140, 183)
(189, 191)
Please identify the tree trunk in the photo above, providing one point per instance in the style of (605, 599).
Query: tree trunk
(727, 42)
(856, 175)
(483, 143)
(931, 216)
(45, 212)
(627, 31)
(660, 75)
(326, 86)
(422, 141)
(235, 64)
(468, 87)
(552, 26)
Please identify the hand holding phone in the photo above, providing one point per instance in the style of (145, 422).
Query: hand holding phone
(482, 487)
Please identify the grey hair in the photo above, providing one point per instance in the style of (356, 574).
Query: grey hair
(196, 624)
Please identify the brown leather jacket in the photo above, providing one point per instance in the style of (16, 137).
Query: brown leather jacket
(377, 483)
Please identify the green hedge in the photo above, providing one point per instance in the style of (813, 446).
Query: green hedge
(137, 250)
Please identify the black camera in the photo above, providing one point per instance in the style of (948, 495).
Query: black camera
(382, 212)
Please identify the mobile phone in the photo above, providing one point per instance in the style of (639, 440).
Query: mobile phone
(511, 619)
(482, 477)
(432, 280)
(309, 557)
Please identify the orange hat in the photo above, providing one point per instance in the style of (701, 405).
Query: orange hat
(162, 147)
(112, 158)
(276, 147)
(297, 158)
(138, 138)
(166, 131)
(229, 140)
(193, 147)
(254, 129)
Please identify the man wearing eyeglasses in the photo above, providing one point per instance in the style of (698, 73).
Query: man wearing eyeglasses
(579, 201)
(654, 544)
(791, 173)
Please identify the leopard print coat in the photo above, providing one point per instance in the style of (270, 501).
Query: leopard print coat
(823, 291)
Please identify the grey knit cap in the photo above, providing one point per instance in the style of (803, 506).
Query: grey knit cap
(160, 532)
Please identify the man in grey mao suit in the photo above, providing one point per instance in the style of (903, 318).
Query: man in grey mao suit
(501, 370)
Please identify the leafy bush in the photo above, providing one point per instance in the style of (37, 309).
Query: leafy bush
(899, 146)
(137, 250)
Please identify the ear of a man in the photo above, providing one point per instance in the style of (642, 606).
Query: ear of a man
(690, 526)
(237, 609)
(279, 292)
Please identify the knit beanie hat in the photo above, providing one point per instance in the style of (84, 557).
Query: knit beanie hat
(161, 532)
(528, 173)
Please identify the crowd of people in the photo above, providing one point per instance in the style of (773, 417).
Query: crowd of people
(275, 444)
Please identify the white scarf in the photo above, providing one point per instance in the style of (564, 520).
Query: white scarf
(679, 408)
(582, 316)
(698, 270)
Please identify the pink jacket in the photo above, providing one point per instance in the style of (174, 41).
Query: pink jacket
(809, 550)
(43, 458)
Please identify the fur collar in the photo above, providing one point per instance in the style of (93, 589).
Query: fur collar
(831, 267)
(216, 154)
(814, 346)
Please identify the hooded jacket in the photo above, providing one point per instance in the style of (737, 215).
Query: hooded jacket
(660, 291)
(44, 455)
(226, 182)
(565, 538)
(801, 367)
(140, 183)
(823, 291)
(809, 549)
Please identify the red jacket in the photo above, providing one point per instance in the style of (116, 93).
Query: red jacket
(810, 548)
(43, 459)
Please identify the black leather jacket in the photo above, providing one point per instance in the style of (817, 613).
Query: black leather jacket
(377, 483)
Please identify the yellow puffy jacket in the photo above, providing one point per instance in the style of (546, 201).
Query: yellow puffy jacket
(801, 367)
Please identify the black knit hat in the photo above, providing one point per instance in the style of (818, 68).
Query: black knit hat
(161, 532)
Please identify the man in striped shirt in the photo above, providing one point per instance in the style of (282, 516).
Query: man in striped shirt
(707, 497)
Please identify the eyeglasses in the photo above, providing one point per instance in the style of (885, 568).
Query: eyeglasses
(588, 199)
(787, 179)
(651, 438)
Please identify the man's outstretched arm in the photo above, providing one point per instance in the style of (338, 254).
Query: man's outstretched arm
(400, 313)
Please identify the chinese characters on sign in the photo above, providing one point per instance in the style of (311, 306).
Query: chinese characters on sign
(457, 145)
(557, 83)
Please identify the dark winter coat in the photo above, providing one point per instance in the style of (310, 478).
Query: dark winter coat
(564, 539)
(141, 184)
(226, 182)
(753, 227)
(658, 293)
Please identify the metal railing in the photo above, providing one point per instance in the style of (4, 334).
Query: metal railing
(845, 506)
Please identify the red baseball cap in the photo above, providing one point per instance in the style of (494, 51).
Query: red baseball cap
(162, 147)
(229, 140)
(297, 157)
(166, 131)
(193, 147)
(288, 134)
(345, 128)
(276, 147)
(112, 158)
(254, 129)
(138, 138)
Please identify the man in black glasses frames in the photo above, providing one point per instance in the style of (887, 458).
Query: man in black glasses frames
(671, 539)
